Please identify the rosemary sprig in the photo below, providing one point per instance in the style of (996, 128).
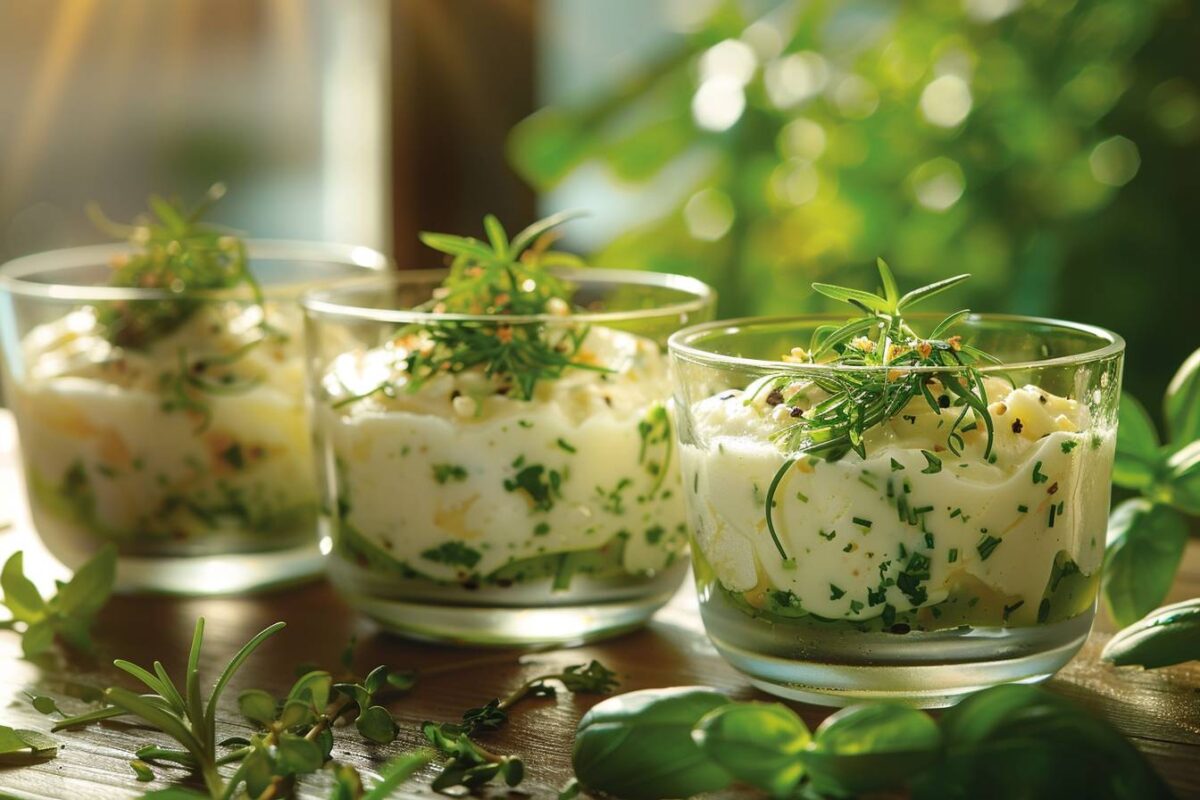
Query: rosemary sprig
(496, 277)
(859, 400)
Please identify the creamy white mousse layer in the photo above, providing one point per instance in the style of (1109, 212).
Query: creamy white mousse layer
(101, 442)
(851, 527)
(454, 479)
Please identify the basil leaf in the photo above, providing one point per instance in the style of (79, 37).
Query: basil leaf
(18, 746)
(1145, 546)
(757, 743)
(89, 589)
(1181, 405)
(1024, 741)
(866, 748)
(638, 745)
(1137, 458)
(22, 598)
(1170, 635)
(1183, 478)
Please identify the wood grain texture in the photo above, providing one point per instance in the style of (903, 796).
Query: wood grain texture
(1159, 711)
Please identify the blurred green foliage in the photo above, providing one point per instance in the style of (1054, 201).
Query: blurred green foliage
(1042, 145)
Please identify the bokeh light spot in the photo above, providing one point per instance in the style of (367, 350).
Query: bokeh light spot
(795, 78)
(708, 214)
(718, 103)
(856, 97)
(729, 59)
(1115, 161)
(938, 184)
(990, 10)
(795, 181)
(946, 101)
(802, 138)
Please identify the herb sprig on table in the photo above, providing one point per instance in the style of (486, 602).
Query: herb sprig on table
(905, 365)
(68, 614)
(498, 277)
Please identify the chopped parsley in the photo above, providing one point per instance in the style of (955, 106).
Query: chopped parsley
(835, 592)
(896, 465)
(445, 473)
(541, 529)
(1038, 477)
(654, 534)
(952, 556)
(934, 463)
(233, 456)
(1024, 509)
(541, 485)
(827, 536)
(453, 554)
(855, 606)
(1068, 446)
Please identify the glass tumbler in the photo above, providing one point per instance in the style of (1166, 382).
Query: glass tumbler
(190, 451)
(465, 511)
(935, 565)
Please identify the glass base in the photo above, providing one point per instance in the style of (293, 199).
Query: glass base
(240, 573)
(509, 627)
(920, 669)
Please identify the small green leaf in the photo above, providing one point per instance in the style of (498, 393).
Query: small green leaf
(19, 746)
(890, 292)
(1182, 478)
(44, 705)
(868, 748)
(1145, 546)
(1170, 635)
(296, 712)
(639, 746)
(257, 706)
(37, 638)
(142, 770)
(847, 295)
(396, 772)
(376, 724)
(925, 292)
(87, 592)
(1181, 404)
(402, 679)
(1137, 457)
(933, 464)
(375, 679)
(22, 598)
(314, 687)
(757, 743)
(295, 755)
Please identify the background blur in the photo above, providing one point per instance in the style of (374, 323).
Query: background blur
(1049, 147)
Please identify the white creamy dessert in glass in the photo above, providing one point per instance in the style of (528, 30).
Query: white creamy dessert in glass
(500, 459)
(896, 505)
(159, 394)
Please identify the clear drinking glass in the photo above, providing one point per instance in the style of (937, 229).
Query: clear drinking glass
(191, 452)
(462, 512)
(924, 571)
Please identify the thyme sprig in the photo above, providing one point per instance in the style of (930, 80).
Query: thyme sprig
(469, 764)
(498, 277)
(900, 365)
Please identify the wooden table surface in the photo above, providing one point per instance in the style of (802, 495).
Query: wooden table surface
(1159, 710)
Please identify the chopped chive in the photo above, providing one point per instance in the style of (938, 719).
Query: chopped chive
(923, 510)
(1023, 508)
(1044, 610)
(986, 546)
(952, 556)
(929, 540)
(802, 497)
(1053, 511)
(835, 593)
(848, 548)
(696, 484)
(968, 428)
(935, 463)
(565, 445)
(1061, 504)
(1010, 609)
(1038, 477)
(866, 523)
(956, 513)
(524, 423)
(827, 536)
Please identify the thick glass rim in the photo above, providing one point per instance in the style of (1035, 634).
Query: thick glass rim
(324, 303)
(16, 275)
(683, 344)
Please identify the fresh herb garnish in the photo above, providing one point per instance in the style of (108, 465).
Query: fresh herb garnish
(861, 399)
(68, 614)
(445, 473)
(986, 546)
(505, 278)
